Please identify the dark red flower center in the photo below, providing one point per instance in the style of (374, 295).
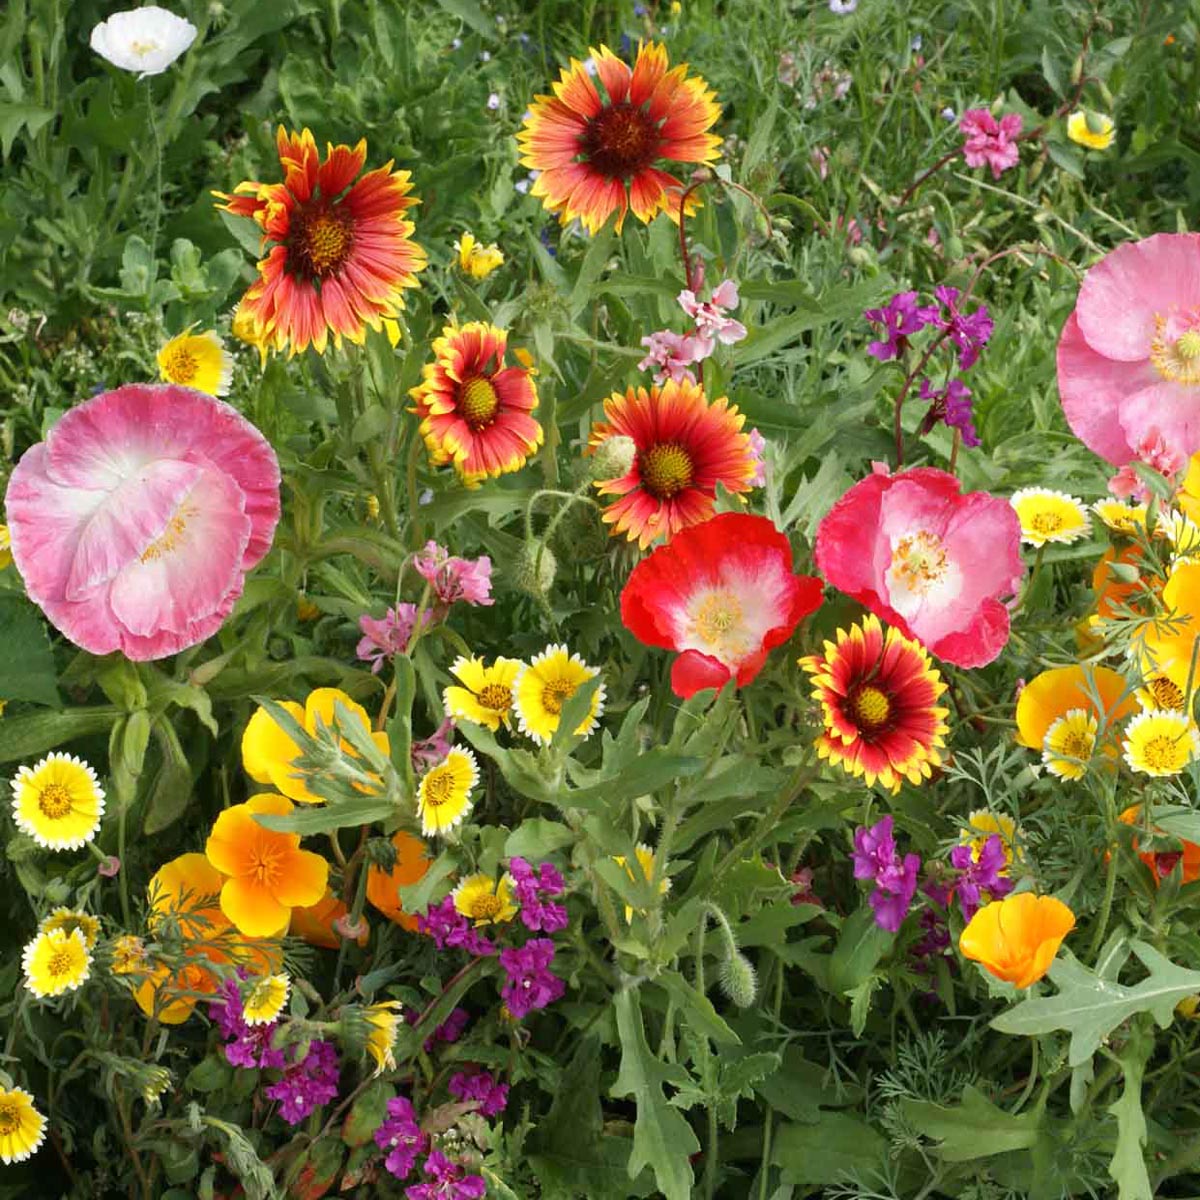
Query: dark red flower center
(666, 469)
(620, 141)
(478, 403)
(320, 241)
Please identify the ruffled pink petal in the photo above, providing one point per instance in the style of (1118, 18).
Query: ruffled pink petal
(1167, 410)
(1121, 295)
(981, 642)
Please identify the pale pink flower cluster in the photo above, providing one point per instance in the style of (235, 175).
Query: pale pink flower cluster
(671, 355)
(453, 578)
(990, 142)
(1154, 453)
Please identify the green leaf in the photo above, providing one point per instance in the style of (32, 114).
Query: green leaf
(1128, 1166)
(574, 714)
(324, 818)
(417, 897)
(27, 668)
(976, 1129)
(590, 270)
(367, 1113)
(1090, 1008)
(171, 788)
(15, 117)
(33, 734)
(829, 1150)
(536, 837)
(698, 1010)
(860, 946)
(470, 14)
(653, 770)
(662, 1138)
(1050, 72)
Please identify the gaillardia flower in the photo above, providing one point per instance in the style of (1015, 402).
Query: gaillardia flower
(56, 962)
(197, 360)
(22, 1127)
(1017, 938)
(544, 685)
(134, 523)
(724, 595)
(926, 558)
(58, 802)
(339, 248)
(486, 694)
(476, 412)
(444, 793)
(878, 695)
(596, 151)
(1050, 516)
(684, 447)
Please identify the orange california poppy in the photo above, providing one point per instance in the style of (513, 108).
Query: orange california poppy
(1112, 592)
(411, 865)
(476, 412)
(1168, 647)
(596, 147)
(269, 874)
(1056, 692)
(268, 752)
(338, 248)
(1017, 938)
(685, 447)
(1162, 862)
(315, 923)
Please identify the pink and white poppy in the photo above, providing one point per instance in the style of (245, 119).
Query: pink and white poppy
(712, 325)
(134, 523)
(935, 563)
(1129, 355)
(724, 595)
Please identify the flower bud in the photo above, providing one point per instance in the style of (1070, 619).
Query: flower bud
(614, 457)
(534, 571)
(738, 980)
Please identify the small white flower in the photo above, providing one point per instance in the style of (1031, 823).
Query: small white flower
(485, 56)
(522, 186)
(493, 101)
(948, 114)
(456, 44)
(589, 65)
(147, 40)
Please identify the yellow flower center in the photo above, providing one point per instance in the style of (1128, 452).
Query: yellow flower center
(719, 614)
(555, 693)
(666, 469)
(478, 403)
(1178, 360)
(169, 538)
(141, 49)
(61, 962)
(266, 868)
(919, 561)
(871, 707)
(1163, 753)
(1166, 693)
(1076, 743)
(1188, 346)
(10, 1117)
(54, 800)
(496, 697)
(1047, 522)
(181, 365)
(321, 241)
(484, 908)
(620, 141)
(439, 787)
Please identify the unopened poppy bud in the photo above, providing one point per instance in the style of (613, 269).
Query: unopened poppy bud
(1124, 572)
(534, 571)
(614, 457)
(738, 980)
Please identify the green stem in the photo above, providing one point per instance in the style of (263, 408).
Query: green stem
(158, 171)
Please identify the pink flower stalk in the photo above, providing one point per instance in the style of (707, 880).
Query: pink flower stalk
(712, 325)
(990, 142)
(1154, 453)
(1129, 355)
(465, 579)
(134, 523)
(387, 635)
(922, 556)
(670, 355)
(758, 446)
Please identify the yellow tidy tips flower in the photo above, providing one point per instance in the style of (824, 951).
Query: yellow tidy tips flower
(1119, 516)
(544, 685)
(645, 860)
(22, 1127)
(265, 1000)
(444, 793)
(1160, 742)
(59, 802)
(484, 901)
(197, 360)
(1049, 516)
(477, 260)
(5, 547)
(69, 920)
(383, 1021)
(486, 696)
(1093, 130)
(1069, 744)
(56, 962)
(983, 824)
(129, 955)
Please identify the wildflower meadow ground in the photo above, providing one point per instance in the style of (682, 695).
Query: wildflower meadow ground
(599, 600)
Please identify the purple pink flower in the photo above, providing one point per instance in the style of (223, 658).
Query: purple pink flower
(895, 879)
(448, 1181)
(401, 1137)
(989, 142)
(980, 874)
(448, 927)
(531, 984)
(489, 1096)
(670, 355)
(900, 318)
(531, 889)
(248, 1046)
(305, 1085)
(387, 635)
(712, 325)
(452, 578)
(951, 404)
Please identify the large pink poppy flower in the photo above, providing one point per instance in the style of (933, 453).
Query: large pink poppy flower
(1129, 356)
(133, 524)
(926, 558)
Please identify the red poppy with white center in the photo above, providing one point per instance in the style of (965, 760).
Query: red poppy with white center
(724, 594)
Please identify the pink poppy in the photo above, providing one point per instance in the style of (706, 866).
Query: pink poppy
(935, 563)
(724, 595)
(1129, 356)
(988, 142)
(133, 524)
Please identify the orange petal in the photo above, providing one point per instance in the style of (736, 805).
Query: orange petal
(264, 744)
(303, 880)
(1053, 694)
(252, 908)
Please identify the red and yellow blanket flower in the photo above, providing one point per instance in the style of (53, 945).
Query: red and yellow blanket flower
(596, 147)
(339, 248)
(685, 445)
(476, 412)
(723, 594)
(879, 697)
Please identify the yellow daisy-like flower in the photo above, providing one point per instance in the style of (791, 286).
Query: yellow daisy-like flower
(1119, 516)
(545, 684)
(1093, 130)
(129, 955)
(983, 824)
(245, 328)
(5, 547)
(383, 1022)
(1160, 742)
(1049, 516)
(59, 802)
(22, 1127)
(265, 1000)
(477, 260)
(56, 962)
(69, 920)
(486, 696)
(1181, 532)
(484, 901)
(1069, 743)
(645, 859)
(197, 360)
(444, 793)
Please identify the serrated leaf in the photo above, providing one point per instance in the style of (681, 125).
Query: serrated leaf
(975, 1129)
(1128, 1165)
(325, 818)
(698, 1010)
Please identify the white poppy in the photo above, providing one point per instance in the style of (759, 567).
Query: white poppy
(147, 40)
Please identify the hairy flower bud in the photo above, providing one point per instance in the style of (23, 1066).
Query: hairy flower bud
(738, 980)
(534, 571)
(614, 457)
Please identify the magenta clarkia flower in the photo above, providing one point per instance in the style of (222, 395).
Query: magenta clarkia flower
(712, 325)
(895, 879)
(979, 875)
(449, 1181)
(249, 1046)
(307, 1084)
(531, 889)
(490, 1097)
(452, 578)
(900, 318)
(134, 523)
(990, 142)
(428, 752)
(448, 927)
(531, 984)
(401, 1137)
(387, 635)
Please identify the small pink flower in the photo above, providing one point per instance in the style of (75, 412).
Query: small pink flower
(819, 157)
(1154, 453)
(758, 446)
(670, 355)
(387, 635)
(134, 523)
(465, 579)
(110, 868)
(922, 556)
(712, 325)
(430, 751)
(990, 142)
